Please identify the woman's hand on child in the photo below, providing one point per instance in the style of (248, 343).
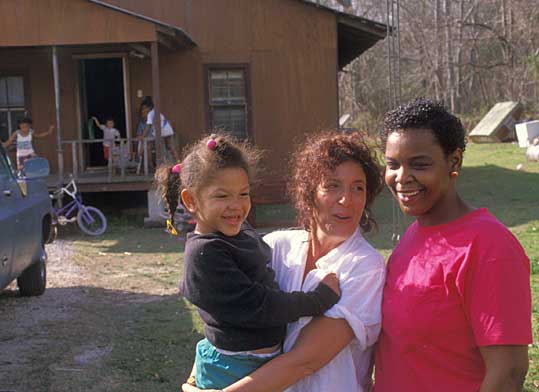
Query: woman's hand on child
(332, 282)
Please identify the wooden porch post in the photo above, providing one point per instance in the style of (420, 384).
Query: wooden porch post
(58, 119)
(157, 103)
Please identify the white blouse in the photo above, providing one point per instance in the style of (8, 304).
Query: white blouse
(361, 272)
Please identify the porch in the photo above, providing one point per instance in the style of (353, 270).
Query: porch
(47, 76)
(130, 166)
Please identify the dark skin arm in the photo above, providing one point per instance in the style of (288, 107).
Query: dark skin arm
(145, 132)
(506, 368)
(310, 353)
(44, 134)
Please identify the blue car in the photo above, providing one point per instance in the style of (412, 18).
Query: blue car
(25, 225)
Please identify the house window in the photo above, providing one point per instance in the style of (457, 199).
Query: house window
(12, 104)
(228, 101)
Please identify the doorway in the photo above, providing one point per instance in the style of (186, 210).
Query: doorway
(103, 96)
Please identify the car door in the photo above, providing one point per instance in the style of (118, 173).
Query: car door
(9, 192)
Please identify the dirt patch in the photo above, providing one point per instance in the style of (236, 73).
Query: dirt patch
(110, 319)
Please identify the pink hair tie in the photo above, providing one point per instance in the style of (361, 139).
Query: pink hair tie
(212, 143)
(176, 169)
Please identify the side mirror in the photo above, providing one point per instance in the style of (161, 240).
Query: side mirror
(36, 168)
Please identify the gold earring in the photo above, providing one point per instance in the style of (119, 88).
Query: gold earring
(454, 173)
(365, 218)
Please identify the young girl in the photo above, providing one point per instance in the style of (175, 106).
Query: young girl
(226, 265)
(23, 136)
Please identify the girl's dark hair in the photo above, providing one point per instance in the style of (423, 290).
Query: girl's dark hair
(200, 165)
(318, 156)
(147, 101)
(25, 120)
(424, 113)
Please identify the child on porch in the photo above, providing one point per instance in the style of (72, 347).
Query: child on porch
(167, 133)
(109, 134)
(23, 137)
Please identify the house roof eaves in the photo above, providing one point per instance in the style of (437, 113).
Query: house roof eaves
(164, 26)
(368, 25)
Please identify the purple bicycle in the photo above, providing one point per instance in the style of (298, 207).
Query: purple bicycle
(90, 219)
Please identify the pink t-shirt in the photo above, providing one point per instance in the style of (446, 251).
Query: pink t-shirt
(450, 289)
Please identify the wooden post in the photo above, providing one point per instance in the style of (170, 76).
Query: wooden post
(55, 70)
(110, 162)
(75, 160)
(146, 150)
(157, 103)
(122, 161)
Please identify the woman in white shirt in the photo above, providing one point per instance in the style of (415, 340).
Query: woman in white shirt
(334, 183)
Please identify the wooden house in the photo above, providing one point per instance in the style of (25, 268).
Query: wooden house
(265, 70)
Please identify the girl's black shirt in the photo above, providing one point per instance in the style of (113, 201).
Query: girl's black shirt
(230, 282)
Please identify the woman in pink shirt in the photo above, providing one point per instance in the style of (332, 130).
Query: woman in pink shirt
(457, 302)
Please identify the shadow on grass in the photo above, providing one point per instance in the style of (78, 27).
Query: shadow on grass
(511, 195)
(94, 339)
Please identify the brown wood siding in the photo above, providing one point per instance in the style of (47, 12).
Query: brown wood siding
(37, 67)
(67, 22)
(292, 52)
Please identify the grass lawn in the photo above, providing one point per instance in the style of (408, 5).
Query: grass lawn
(156, 348)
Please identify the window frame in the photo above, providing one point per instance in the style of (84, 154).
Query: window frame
(245, 69)
(24, 74)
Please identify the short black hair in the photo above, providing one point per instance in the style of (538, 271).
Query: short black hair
(25, 120)
(147, 101)
(109, 118)
(424, 113)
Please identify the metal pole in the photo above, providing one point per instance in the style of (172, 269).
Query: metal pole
(59, 149)
(157, 103)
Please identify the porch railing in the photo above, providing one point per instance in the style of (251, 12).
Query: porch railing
(126, 156)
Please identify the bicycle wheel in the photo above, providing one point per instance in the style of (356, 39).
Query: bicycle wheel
(91, 220)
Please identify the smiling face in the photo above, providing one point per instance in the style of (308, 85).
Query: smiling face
(24, 127)
(339, 203)
(418, 173)
(223, 204)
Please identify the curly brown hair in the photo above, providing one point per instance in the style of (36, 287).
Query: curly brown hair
(318, 156)
(200, 165)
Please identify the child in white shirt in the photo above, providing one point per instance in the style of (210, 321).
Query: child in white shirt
(23, 137)
(109, 134)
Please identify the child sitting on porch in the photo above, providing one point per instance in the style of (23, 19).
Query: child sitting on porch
(23, 137)
(109, 134)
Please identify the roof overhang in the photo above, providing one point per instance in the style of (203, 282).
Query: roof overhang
(82, 22)
(168, 35)
(355, 33)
